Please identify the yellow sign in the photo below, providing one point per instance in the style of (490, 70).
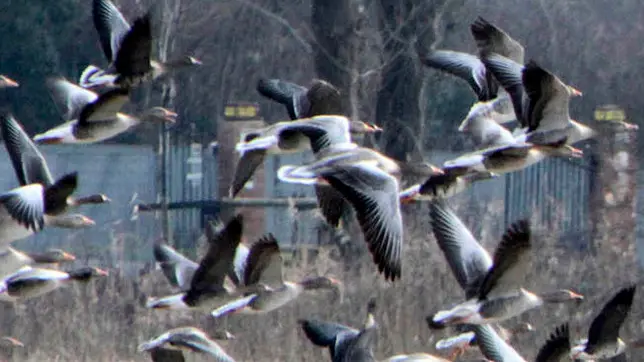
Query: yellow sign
(611, 113)
(241, 111)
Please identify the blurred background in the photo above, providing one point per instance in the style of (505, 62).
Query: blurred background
(165, 182)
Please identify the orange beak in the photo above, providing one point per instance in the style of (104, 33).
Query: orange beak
(374, 128)
(576, 152)
(170, 116)
(574, 295)
(88, 222)
(8, 82)
(575, 92)
(437, 170)
(68, 257)
(101, 272)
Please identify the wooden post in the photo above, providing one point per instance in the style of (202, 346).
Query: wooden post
(614, 204)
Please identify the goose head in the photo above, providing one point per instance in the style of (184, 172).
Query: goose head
(360, 127)
(71, 221)
(559, 150)
(6, 82)
(86, 273)
(160, 114)
(93, 199)
(10, 342)
(52, 256)
(561, 296)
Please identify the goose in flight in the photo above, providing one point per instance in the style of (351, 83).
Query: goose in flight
(493, 287)
(92, 118)
(264, 267)
(31, 168)
(128, 49)
(186, 339)
(603, 336)
(29, 282)
(367, 180)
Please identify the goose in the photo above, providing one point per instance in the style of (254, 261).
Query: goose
(492, 286)
(264, 266)
(603, 336)
(12, 260)
(6, 82)
(489, 38)
(128, 49)
(448, 184)
(315, 133)
(30, 165)
(94, 118)
(540, 100)
(207, 290)
(23, 210)
(189, 339)
(345, 344)
(32, 282)
(321, 98)
(508, 158)
(179, 270)
(493, 347)
(366, 179)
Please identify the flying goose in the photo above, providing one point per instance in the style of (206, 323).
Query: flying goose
(603, 336)
(92, 118)
(366, 179)
(264, 267)
(179, 270)
(493, 287)
(11, 260)
(207, 290)
(30, 165)
(6, 82)
(187, 339)
(457, 345)
(508, 158)
(32, 282)
(345, 344)
(315, 133)
(540, 100)
(128, 49)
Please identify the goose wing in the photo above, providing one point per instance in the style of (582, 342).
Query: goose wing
(161, 354)
(605, 327)
(133, 57)
(331, 203)
(69, 97)
(105, 107)
(509, 74)
(55, 195)
(324, 334)
(246, 166)
(28, 163)
(557, 347)
(465, 66)
(373, 193)
(25, 205)
(512, 260)
(493, 347)
(468, 260)
(215, 265)
(549, 98)
(202, 344)
(177, 268)
(289, 94)
(110, 25)
(491, 39)
(264, 263)
(323, 131)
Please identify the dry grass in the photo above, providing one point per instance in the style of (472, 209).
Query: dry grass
(105, 321)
